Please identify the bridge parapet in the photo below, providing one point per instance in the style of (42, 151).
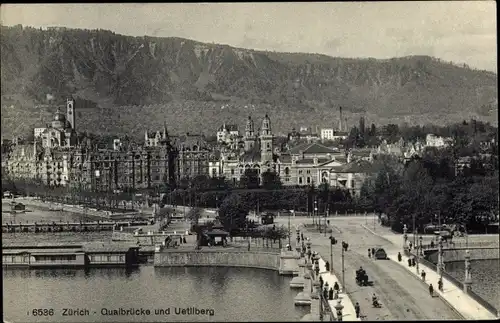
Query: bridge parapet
(458, 254)
(460, 245)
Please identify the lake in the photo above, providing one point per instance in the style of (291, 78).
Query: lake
(196, 294)
(485, 277)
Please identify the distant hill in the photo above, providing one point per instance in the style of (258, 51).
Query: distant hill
(127, 84)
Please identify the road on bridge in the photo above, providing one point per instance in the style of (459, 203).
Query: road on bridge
(403, 296)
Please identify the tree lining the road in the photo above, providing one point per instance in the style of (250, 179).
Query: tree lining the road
(427, 189)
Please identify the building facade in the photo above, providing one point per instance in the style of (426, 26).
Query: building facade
(61, 132)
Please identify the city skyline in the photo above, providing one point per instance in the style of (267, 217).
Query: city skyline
(462, 32)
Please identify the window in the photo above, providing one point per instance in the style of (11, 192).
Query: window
(92, 258)
(109, 258)
(300, 180)
(13, 259)
(287, 171)
(308, 180)
(122, 258)
(232, 171)
(300, 171)
(308, 172)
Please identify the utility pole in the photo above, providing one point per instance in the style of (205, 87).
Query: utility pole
(343, 272)
(315, 208)
(326, 216)
(331, 253)
(289, 232)
(414, 231)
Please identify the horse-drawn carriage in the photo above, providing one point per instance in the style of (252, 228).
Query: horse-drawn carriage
(361, 277)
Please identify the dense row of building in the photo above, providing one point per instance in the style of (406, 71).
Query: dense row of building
(58, 157)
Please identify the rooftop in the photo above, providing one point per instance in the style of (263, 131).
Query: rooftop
(50, 251)
(229, 127)
(311, 148)
(311, 160)
(359, 166)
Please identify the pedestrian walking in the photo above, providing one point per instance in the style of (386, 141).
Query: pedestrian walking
(423, 275)
(336, 286)
(369, 253)
(431, 290)
(399, 256)
(411, 245)
(302, 236)
(357, 309)
(440, 284)
(346, 246)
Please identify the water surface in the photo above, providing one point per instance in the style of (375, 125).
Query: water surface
(233, 294)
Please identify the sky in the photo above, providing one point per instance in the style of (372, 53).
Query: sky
(458, 31)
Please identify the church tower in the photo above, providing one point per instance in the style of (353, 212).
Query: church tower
(266, 140)
(70, 112)
(249, 134)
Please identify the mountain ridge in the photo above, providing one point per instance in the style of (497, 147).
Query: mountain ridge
(171, 75)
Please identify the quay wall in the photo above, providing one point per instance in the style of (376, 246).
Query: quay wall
(483, 253)
(218, 258)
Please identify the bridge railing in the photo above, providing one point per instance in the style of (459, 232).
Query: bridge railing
(461, 245)
(490, 308)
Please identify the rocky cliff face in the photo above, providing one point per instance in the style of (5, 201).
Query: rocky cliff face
(174, 77)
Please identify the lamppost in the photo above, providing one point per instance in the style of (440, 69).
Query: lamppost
(339, 307)
(419, 248)
(440, 265)
(405, 236)
(415, 231)
(326, 216)
(468, 274)
(331, 252)
(315, 211)
(289, 232)
(297, 231)
(343, 272)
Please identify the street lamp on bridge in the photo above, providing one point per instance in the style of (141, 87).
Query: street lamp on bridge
(315, 211)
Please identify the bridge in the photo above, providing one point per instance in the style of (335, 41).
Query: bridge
(403, 294)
